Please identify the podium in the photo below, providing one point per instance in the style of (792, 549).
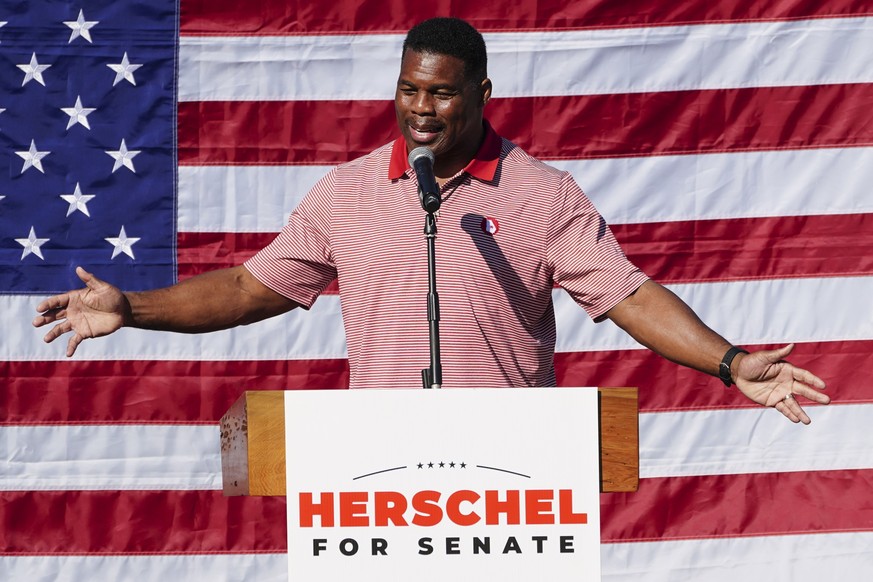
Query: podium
(436, 484)
(253, 443)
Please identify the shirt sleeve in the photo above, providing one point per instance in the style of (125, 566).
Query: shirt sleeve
(298, 264)
(585, 258)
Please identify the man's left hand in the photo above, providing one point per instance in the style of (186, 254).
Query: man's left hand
(769, 380)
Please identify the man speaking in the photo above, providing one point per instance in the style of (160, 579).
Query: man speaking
(510, 229)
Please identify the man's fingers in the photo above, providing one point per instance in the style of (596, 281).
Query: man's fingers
(57, 331)
(92, 282)
(53, 303)
(74, 342)
(792, 410)
(808, 378)
(809, 393)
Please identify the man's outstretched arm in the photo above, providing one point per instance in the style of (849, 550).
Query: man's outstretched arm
(209, 302)
(658, 319)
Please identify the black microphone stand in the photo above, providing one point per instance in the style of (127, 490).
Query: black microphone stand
(432, 377)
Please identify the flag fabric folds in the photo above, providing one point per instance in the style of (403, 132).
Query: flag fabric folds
(729, 145)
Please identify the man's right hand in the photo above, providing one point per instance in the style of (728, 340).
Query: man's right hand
(97, 310)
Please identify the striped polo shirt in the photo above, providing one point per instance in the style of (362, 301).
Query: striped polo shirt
(509, 229)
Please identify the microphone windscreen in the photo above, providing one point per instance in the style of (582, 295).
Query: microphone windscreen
(419, 152)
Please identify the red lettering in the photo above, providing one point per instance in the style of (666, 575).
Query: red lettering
(565, 505)
(427, 510)
(538, 507)
(353, 509)
(389, 506)
(453, 507)
(309, 509)
(494, 507)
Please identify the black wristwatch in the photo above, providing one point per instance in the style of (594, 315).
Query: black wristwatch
(724, 369)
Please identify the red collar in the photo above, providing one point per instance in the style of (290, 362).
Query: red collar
(483, 166)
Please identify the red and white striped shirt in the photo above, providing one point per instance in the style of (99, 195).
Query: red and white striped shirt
(509, 228)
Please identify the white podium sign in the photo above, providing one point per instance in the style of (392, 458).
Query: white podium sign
(435, 485)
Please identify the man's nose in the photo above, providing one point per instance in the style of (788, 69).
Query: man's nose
(422, 104)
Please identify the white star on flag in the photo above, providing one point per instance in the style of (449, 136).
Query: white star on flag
(31, 244)
(78, 114)
(32, 158)
(124, 71)
(81, 27)
(123, 157)
(33, 71)
(78, 201)
(122, 244)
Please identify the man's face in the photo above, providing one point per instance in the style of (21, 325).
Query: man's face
(438, 107)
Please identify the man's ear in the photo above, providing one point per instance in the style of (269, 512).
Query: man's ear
(485, 88)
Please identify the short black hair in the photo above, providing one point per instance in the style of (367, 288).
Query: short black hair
(453, 37)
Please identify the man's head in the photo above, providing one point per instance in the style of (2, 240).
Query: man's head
(452, 37)
(442, 91)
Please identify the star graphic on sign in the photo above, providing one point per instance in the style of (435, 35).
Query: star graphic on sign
(124, 71)
(31, 245)
(78, 201)
(81, 27)
(123, 157)
(78, 114)
(33, 71)
(122, 244)
(32, 158)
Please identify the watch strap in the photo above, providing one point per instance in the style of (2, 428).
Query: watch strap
(724, 368)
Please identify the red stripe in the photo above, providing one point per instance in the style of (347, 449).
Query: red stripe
(565, 127)
(230, 17)
(751, 248)
(669, 252)
(665, 387)
(715, 506)
(183, 522)
(126, 391)
(137, 391)
(200, 252)
(139, 522)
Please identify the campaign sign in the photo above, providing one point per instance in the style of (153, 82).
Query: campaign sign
(434, 485)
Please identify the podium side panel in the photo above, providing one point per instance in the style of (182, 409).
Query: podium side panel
(235, 449)
(619, 440)
(266, 430)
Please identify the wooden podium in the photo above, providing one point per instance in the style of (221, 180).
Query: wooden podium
(253, 443)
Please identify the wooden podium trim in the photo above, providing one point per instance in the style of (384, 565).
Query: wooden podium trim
(253, 443)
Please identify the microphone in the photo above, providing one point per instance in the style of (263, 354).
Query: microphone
(422, 159)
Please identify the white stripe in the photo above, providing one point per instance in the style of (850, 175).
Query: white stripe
(79, 457)
(625, 190)
(722, 442)
(190, 568)
(800, 558)
(316, 334)
(734, 185)
(630, 60)
(746, 312)
(242, 198)
(181, 457)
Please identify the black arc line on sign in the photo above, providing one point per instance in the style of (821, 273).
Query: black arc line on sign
(378, 472)
(504, 471)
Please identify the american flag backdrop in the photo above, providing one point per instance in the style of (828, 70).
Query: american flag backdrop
(729, 144)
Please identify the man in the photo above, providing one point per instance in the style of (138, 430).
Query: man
(510, 228)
